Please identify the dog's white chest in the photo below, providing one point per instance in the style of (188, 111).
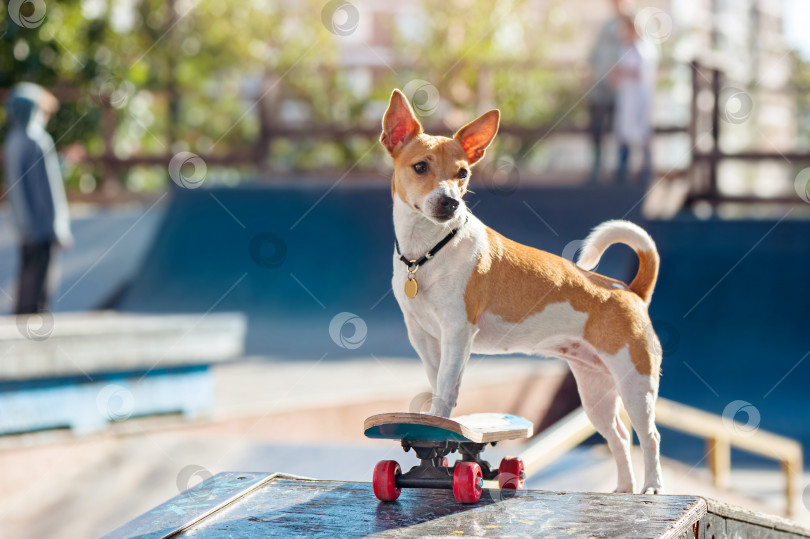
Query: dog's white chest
(434, 294)
(441, 282)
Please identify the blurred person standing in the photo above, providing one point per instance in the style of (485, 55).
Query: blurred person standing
(634, 80)
(605, 53)
(36, 192)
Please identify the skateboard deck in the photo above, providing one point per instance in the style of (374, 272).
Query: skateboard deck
(476, 428)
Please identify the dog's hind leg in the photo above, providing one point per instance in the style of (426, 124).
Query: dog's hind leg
(639, 393)
(597, 390)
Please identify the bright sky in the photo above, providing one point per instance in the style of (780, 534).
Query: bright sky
(796, 22)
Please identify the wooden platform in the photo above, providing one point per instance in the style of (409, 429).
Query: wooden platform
(263, 505)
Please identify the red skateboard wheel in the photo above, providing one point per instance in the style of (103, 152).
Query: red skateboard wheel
(384, 480)
(511, 473)
(468, 482)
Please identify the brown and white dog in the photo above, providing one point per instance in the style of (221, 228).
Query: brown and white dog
(486, 294)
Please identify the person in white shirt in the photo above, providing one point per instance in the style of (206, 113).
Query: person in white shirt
(633, 78)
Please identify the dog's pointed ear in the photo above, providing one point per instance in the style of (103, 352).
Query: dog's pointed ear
(476, 136)
(399, 123)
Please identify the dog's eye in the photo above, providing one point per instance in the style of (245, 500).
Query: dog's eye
(420, 167)
(463, 173)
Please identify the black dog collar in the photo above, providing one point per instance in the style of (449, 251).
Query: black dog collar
(413, 264)
(411, 286)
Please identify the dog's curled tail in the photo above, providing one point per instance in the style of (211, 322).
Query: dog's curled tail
(610, 232)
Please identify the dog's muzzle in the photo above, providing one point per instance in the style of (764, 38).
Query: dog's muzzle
(446, 207)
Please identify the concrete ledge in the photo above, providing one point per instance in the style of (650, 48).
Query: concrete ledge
(86, 407)
(75, 344)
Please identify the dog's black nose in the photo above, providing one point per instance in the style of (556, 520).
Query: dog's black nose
(448, 204)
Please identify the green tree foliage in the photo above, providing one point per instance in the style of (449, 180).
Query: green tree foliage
(178, 75)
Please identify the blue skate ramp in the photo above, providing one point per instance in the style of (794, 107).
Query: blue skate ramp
(293, 258)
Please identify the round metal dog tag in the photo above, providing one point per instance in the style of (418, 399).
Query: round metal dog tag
(411, 288)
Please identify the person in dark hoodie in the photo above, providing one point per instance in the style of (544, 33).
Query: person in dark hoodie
(36, 192)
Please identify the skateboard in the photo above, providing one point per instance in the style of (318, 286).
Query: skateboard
(432, 438)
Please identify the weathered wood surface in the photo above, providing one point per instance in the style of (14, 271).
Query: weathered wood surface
(724, 520)
(278, 507)
(73, 344)
(193, 505)
(478, 428)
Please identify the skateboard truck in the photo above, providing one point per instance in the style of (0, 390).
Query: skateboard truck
(434, 471)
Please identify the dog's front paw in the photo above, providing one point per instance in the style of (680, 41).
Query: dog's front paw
(625, 489)
(439, 407)
(440, 412)
(653, 489)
